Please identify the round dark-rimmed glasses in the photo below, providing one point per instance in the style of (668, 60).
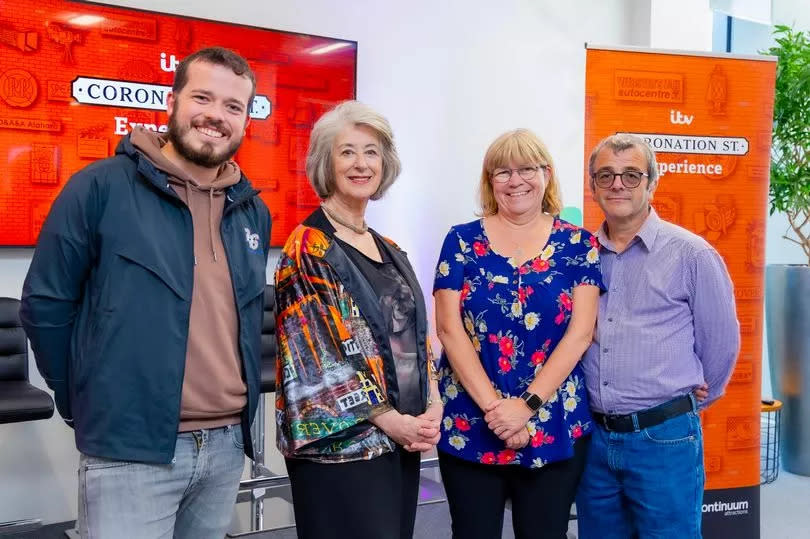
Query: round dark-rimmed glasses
(502, 175)
(630, 178)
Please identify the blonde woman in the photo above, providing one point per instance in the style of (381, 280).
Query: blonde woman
(516, 300)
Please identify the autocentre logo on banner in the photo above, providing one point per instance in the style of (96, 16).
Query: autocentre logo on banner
(139, 95)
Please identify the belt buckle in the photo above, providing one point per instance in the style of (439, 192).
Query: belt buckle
(605, 422)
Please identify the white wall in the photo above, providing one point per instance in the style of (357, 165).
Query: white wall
(684, 25)
(795, 13)
(450, 76)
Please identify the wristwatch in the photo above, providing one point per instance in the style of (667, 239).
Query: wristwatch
(533, 401)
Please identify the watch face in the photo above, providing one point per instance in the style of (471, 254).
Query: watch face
(533, 401)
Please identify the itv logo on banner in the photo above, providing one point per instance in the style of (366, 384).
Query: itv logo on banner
(677, 117)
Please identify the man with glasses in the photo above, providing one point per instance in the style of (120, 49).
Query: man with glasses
(665, 345)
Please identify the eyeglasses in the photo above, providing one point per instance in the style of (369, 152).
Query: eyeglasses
(630, 178)
(502, 175)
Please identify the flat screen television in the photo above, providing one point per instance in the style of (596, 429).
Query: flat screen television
(75, 77)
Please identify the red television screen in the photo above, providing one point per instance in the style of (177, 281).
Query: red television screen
(75, 77)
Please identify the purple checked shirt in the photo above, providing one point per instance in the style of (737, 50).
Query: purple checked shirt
(666, 323)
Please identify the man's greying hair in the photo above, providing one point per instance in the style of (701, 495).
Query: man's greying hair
(217, 56)
(321, 171)
(624, 141)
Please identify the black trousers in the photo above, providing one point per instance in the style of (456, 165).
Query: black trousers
(367, 499)
(541, 498)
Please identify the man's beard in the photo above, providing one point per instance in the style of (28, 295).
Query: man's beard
(205, 156)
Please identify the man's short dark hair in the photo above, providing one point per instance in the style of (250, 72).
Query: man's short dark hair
(216, 56)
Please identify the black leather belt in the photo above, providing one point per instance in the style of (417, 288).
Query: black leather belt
(646, 418)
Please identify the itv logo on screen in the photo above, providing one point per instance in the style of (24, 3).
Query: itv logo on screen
(168, 64)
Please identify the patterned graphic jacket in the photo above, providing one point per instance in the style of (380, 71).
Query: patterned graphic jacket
(335, 368)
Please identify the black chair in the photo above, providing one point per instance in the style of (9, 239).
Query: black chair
(269, 341)
(19, 400)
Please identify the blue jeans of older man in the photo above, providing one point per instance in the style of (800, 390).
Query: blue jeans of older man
(191, 497)
(645, 484)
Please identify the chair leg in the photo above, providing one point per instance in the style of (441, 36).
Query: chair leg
(257, 511)
(257, 467)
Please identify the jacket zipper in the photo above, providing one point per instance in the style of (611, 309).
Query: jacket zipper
(245, 431)
(188, 313)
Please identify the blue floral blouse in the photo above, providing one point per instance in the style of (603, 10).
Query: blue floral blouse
(515, 316)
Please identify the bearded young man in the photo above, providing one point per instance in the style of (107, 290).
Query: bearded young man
(144, 304)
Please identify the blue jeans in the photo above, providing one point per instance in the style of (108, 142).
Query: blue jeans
(192, 497)
(645, 484)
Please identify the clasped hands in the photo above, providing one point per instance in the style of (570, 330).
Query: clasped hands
(414, 433)
(507, 418)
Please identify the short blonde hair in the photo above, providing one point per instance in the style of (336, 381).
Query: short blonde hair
(321, 173)
(523, 147)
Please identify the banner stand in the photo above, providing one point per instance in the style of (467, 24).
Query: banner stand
(708, 117)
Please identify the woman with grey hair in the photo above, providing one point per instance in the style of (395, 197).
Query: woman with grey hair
(357, 397)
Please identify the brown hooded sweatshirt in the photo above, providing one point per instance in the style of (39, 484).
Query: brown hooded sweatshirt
(214, 392)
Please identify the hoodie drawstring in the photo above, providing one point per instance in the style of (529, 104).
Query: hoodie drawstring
(211, 230)
(211, 220)
(191, 211)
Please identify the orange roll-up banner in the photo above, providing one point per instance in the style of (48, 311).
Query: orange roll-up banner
(708, 117)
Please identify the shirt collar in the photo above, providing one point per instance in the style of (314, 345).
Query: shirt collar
(646, 234)
(317, 219)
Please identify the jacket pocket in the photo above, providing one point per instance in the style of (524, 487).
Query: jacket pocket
(95, 341)
(61, 399)
(161, 271)
(253, 280)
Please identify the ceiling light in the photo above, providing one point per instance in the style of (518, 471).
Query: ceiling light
(85, 20)
(329, 48)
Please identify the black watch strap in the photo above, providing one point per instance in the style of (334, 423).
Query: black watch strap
(532, 400)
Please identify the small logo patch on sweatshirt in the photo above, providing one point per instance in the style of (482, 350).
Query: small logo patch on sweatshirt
(252, 239)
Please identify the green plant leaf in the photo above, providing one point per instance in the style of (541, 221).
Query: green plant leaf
(789, 190)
